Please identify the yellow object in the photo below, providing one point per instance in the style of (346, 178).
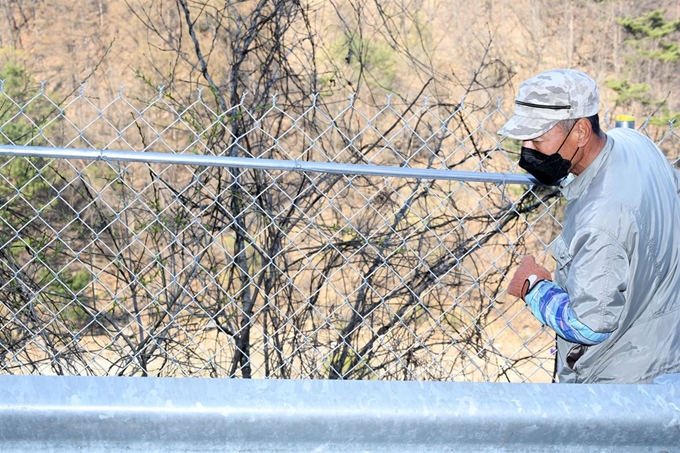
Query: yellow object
(625, 121)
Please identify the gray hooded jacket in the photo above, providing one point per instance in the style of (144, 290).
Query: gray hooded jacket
(618, 258)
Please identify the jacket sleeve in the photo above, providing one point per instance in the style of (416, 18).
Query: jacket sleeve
(598, 274)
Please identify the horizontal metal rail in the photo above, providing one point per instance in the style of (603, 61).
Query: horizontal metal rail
(97, 414)
(265, 164)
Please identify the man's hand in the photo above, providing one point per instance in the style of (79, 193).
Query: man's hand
(527, 276)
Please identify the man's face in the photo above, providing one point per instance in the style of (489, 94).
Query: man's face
(550, 157)
(553, 141)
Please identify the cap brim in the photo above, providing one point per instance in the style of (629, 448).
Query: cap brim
(525, 128)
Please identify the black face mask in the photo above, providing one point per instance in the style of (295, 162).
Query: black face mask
(549, 170)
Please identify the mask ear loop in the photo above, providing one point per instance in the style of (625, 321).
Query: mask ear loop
(571, 161)
(565, 140)
(578, 147)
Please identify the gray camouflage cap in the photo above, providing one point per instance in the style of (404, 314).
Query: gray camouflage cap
(548, 98)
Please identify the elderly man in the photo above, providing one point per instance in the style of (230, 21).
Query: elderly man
(615, 299)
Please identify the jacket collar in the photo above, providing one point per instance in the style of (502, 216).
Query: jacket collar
(573, 188)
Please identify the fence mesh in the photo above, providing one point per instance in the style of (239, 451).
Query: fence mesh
(114, 268)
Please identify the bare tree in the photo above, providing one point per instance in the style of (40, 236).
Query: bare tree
(243, 54)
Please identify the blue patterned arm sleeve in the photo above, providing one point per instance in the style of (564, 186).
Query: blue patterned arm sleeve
(551, 306)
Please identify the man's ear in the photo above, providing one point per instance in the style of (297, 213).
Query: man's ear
(584, 131)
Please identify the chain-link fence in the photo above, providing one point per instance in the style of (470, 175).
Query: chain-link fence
(276, 257)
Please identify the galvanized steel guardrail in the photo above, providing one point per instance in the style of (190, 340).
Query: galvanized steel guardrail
(107, 414)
